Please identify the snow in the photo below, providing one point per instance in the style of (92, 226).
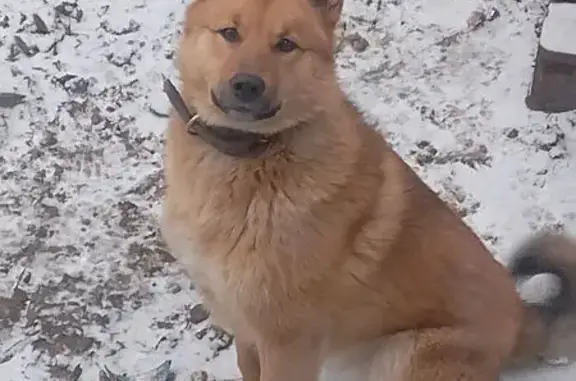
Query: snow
(559, 25)
(82, 267)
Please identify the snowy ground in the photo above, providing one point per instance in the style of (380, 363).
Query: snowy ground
(85, 281)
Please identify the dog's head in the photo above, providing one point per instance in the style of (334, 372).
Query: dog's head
(259, 65)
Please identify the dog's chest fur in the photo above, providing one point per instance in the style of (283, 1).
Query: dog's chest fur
(249, 238)
(218, 253)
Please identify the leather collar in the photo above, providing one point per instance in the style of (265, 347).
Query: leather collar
(232, 142)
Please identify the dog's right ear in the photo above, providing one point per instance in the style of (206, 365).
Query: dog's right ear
(330, 10)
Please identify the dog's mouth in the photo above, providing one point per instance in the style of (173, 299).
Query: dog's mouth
(246, 113)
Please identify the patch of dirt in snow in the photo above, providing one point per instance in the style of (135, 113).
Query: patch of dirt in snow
(87, 288)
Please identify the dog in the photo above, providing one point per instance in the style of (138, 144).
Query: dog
(309, 238)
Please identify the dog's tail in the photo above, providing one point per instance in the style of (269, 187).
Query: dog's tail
(546, 253)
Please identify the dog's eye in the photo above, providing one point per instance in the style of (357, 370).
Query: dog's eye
(286, 45)
(230, 34)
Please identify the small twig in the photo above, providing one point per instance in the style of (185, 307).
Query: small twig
(20, 277)
(157, 113)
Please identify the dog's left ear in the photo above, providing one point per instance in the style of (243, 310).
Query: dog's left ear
(330, 9)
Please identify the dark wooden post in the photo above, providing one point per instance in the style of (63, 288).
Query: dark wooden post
(553, 87)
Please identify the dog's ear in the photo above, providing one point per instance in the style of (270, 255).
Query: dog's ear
(330, 9)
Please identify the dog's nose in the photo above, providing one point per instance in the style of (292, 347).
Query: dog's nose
(247, 87)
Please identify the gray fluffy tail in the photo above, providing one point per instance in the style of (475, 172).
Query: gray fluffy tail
(549, 253)
(544, 330)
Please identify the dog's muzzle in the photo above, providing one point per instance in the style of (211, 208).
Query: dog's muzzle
(244, 98)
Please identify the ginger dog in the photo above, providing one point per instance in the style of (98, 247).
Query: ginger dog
(309, 238)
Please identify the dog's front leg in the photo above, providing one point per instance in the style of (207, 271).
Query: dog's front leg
(248, 360)
(294, 358)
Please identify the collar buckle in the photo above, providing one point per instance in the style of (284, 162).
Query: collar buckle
(192, 123)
